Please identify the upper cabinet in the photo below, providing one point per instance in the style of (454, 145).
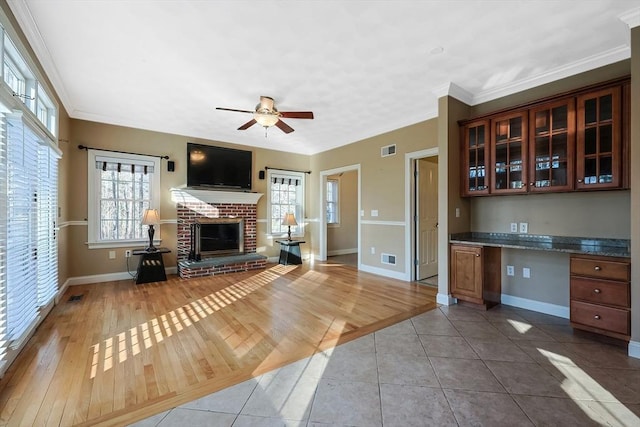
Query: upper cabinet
(598, 151)
(475, 158)
(551, 153)
(508, 153)
(570, 142)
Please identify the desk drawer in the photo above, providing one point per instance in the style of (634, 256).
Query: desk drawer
(600, 291)
(600, 268)
(597, 316)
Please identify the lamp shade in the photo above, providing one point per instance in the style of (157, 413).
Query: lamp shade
(150, 217)
(289, 219)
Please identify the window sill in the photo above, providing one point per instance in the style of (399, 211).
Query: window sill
(122, 244)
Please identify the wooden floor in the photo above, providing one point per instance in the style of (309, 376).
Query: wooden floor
(125, 351)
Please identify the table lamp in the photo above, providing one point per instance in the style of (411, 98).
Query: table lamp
(151, 218)
(289, 220)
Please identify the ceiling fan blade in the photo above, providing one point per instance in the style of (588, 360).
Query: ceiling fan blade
(297, 114)
(284, 127)
(248, 124)
(233, 109)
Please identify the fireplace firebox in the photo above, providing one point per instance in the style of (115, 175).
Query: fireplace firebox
(213, 237)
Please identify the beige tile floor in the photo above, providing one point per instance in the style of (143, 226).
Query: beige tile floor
(451, 366)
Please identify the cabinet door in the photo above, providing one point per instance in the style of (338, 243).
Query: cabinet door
(551, 146)
(598, 147)
(466, 272)
(508, 153)
(475, 154)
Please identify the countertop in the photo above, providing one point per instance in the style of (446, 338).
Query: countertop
(573, 245)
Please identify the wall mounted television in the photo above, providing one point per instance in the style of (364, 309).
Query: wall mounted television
(218, 167)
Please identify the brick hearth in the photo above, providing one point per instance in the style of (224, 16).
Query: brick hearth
(190, 209)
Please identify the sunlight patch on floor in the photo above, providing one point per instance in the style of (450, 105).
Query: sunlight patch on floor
(521, 327)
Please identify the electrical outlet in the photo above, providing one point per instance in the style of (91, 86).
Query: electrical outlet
(526, 272)
(112, 254)
(514, 227)
(524, 227)
(374, 212)
(511, 271)
(127, 253)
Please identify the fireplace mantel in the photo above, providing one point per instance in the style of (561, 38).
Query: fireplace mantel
(191, 195)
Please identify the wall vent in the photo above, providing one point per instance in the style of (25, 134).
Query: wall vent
(388, 259)
(388, 150)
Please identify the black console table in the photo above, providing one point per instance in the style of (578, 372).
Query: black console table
(151, 265)
(290, 252)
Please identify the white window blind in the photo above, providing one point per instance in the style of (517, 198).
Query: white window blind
(28, 249)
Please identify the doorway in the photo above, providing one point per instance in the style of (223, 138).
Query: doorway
(426, 215)
(339, 217)
(422, 216)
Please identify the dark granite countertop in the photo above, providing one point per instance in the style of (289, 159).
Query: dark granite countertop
(573, 245)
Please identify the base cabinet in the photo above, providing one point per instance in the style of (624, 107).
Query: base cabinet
(475, 274)
(600, 295)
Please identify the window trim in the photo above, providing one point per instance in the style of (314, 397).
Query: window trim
(337, 183)
(300, 205)
(93, 208)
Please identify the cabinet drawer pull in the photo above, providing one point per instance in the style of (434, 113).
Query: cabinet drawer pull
(597, 291)
(597, 268)
(532, 184)
(580, 181)
(477, 255)
(597, 317)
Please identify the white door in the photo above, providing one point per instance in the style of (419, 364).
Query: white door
(427, 212)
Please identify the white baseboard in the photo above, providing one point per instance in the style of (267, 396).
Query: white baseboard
(444, 299)
(61, 291)
(634, 349)
(109, 277)
(342, 252)
(533, 305)
(383, 272)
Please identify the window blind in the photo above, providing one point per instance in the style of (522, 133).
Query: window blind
(28, 249)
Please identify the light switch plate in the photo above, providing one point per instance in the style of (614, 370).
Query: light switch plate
(524, 227)
(510, 270)
(374, 212)
(526, 273)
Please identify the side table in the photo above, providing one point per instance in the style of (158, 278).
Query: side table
(290, 252)
(151, 265)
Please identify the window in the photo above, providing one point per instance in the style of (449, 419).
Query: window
(121, 187)
(20, 78)
(28, 249)
(286, 194)
(333, 206)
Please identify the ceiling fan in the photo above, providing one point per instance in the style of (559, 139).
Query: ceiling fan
(267, 115)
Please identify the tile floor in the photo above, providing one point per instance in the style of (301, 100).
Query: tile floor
(451, 366)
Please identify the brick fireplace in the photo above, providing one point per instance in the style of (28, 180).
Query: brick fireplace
(194, 206)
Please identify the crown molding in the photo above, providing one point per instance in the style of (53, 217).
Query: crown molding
(616, 54)
(631, 18)
(452, 89)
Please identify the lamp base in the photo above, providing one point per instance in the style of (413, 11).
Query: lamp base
(151, 248)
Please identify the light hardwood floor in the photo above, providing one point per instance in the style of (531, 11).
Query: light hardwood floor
(125, 351)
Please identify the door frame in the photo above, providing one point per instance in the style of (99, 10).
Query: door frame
(322, 218)
(409, 209)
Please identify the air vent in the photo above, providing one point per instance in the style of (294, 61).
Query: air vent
(389, 150)
(388, 259)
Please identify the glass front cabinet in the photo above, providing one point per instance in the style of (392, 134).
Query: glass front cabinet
(476, 158)
(552, 142)
(598, 158)
(508, 151)
(571, 142)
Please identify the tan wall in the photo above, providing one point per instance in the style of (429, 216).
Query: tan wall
(344, 237)
(103, 136)
(383, 187)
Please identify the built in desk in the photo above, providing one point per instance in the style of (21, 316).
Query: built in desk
(151, 265)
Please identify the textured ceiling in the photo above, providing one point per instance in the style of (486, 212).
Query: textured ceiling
(363, 67)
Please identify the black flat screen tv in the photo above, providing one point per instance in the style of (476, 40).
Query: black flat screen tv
(218, 167)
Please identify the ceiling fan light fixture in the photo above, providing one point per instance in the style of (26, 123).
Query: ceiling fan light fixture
(266, 119)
